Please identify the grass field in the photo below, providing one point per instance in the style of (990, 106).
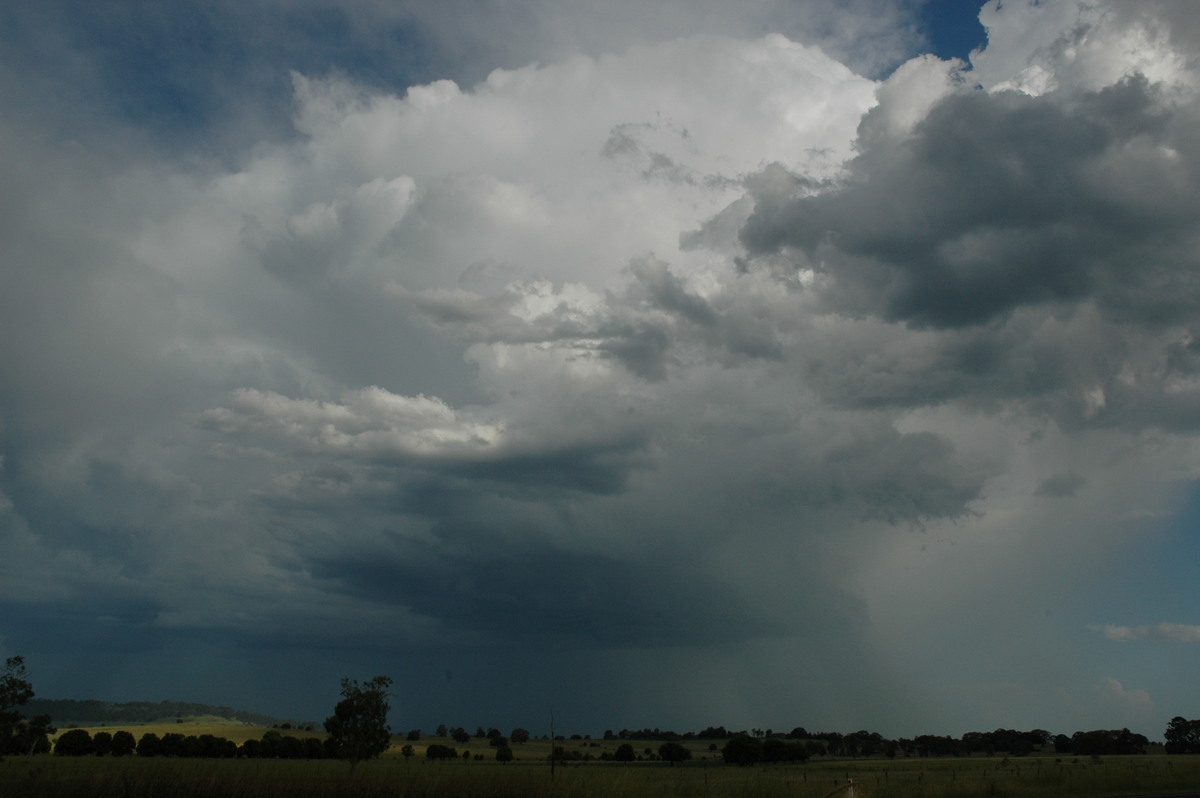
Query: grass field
(529, 777)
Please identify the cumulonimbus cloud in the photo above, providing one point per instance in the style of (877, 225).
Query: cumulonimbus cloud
(730, 347)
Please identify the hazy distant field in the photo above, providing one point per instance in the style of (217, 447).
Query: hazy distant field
(1034, 777)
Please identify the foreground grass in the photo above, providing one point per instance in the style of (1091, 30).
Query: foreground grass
(94, 777)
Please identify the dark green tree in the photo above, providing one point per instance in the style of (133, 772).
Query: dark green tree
(625, 753)
(15, 691)
(1108, 742)
(358, 728)
(776, 750)
(673, 752)
(414, 735)
(29, 737)
(438, 751)
(504, 754)
(175, 744)
(460, 735)
(150, 745)
(102, 742)
(123, 743)
(519, 735)
(743, 750)
(1183, 736)
(75, 742)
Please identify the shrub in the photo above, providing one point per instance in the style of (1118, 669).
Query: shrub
(673, 752)
(123, 744)
(76, 742)
(742, 750)
(438, 751)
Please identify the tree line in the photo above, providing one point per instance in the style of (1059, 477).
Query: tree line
(272, 745)
(358, 730)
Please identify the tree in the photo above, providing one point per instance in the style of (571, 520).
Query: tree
(460, 735)
(15, 691)
(625, 753)
(1183, 736)
(519, 735)
(29, 737)
(504, 754)
(123, 743)
(358, 728)
(438, 751)
(76, 742)
(151, 745)
(102, 743)
(1106, 742)
(742, 750)
(776, 750)
(407, 752)
(414, 735)
(673, 752)
(441, 730)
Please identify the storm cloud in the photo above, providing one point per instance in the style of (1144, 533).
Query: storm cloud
(767, 360)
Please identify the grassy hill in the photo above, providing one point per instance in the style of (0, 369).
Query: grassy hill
(68, 712)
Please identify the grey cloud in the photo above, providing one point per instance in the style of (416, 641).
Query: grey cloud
(900, 478)
(1060, 486)
(998, 201)
(246, 413)
(482, 581)
(377, 429)
(642, 349)
(668, 293)
(646, 328)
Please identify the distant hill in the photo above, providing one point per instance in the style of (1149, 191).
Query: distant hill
(93, 713)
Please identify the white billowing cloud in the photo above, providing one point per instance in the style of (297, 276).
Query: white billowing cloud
(1137, 701)
(1179, 632)
(1036, 47)
(907, 95)
(529, 164)
(369, 421)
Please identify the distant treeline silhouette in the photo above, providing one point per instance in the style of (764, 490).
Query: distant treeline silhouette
(272, 745)
(872, 744)
(743, 748)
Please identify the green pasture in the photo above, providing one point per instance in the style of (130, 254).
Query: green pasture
(397, 777)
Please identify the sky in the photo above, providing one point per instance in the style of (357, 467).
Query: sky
(772, 364)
